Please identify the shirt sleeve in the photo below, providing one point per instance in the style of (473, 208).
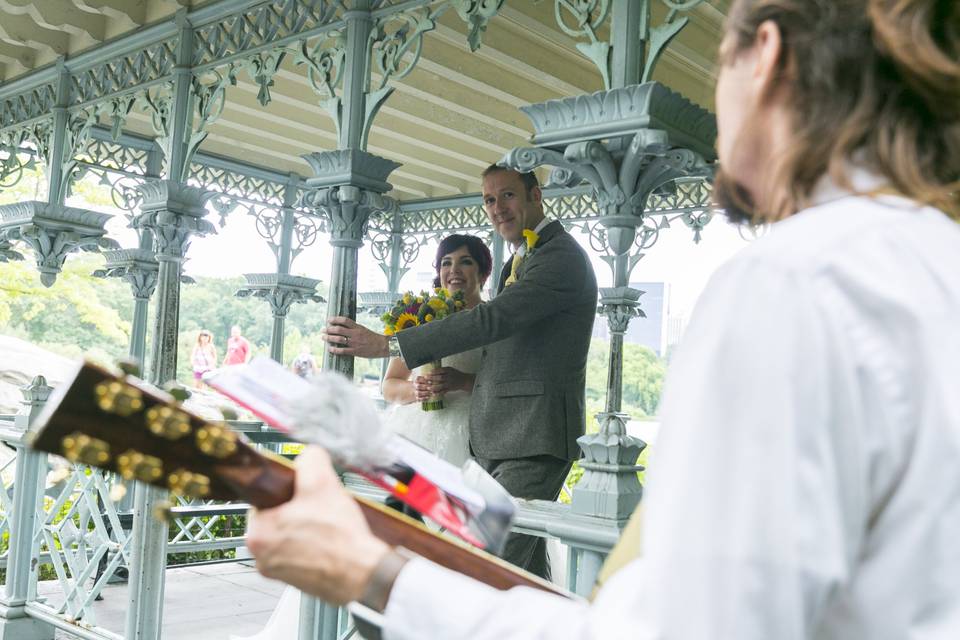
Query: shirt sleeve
(754, 505)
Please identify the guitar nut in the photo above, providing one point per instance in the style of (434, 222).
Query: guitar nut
(119, 398)
(168, 423)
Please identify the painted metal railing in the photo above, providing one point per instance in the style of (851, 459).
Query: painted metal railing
(64, 522)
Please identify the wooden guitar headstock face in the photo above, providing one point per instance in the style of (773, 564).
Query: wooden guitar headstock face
(121, 424)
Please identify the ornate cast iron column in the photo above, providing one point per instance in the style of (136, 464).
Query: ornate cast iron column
(348, 188)
(173, 213)
(24, 543)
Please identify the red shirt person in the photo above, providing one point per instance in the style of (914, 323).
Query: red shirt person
(238, 348)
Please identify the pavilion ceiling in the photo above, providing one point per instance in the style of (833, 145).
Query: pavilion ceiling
(454, 114)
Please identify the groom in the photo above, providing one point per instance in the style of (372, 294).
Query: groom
(528, 400)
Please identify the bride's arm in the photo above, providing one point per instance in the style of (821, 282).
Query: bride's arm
(397, 386)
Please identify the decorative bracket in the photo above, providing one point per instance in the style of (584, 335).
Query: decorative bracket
(53, 232)
(281, 290)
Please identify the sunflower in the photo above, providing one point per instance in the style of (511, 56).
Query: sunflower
(388, 331)
(406, 320)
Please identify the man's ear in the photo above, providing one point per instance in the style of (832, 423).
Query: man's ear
(536, 195)
(770, 65)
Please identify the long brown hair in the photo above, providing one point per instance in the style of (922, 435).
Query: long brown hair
(872, 81)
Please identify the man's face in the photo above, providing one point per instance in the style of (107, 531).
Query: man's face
(510, 209)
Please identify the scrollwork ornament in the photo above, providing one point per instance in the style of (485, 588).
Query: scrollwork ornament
(586, 16)
(261, 68)
(12, 169)
(305, 231)
(697, 220)
(477, 14)
(7, 252)
(324, 63)
(396, 51)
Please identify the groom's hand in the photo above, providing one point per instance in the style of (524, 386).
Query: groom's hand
(344, 337)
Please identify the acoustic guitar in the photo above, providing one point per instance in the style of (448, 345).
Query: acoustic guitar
(119, 423)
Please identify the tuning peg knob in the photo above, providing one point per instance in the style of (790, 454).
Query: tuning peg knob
(81, 448)
(119, 398)
(188, 483)
(133, 465)
(216, 441)
(168, 423)
(129, 366)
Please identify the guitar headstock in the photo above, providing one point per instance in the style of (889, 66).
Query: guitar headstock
(121, 424)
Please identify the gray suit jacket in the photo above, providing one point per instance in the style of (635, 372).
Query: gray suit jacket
(529, 394)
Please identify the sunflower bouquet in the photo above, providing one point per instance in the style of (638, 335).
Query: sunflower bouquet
(412, 310)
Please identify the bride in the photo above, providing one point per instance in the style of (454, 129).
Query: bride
(463, 264)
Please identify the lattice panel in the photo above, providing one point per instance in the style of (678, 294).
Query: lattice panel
(111, 155)
(27, 105)
(82, 533)
(6, 501)
(200, 529)
(694, 195)
(132, 70)
(237, 185)
(260, 26)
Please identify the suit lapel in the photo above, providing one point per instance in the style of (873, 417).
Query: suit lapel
(504, 274)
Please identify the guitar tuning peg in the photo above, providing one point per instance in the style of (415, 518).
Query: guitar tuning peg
(168, 423)
(228, 413)
(81, 448)
(216, 441)
(119, 398)
(133, 465)
(177, 390)
(187, 483)
(129, 366)
(162, 511)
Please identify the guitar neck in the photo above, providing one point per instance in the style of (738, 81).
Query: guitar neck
(119, 424)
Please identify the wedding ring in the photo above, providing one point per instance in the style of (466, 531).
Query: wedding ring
(346, 340)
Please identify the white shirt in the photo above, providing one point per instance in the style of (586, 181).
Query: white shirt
(521, 248)
(806, 480)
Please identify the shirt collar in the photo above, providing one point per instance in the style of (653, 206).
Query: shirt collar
(522, 249)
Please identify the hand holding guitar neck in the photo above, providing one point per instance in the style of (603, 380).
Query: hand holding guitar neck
(120, 424)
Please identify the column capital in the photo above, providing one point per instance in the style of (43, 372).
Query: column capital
(348, 187)
(139, 267)
(280, 290)
(173, 212)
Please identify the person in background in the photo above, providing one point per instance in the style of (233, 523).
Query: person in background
(203, 358)
(304, 365)
(238, 348)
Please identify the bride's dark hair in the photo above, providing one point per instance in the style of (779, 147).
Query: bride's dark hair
(475, 246)
(873, 81)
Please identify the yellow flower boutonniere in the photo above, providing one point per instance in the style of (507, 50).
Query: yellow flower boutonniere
(532, 238)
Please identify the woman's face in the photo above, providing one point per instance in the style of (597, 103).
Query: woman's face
(204, 338)
(460, 272)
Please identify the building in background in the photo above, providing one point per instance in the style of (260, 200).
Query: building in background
(658, 330)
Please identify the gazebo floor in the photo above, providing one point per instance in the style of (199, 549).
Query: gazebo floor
(210, 602)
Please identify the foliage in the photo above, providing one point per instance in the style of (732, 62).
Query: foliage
(78, 315)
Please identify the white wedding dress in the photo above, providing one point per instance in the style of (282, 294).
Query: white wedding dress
(445, 432)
